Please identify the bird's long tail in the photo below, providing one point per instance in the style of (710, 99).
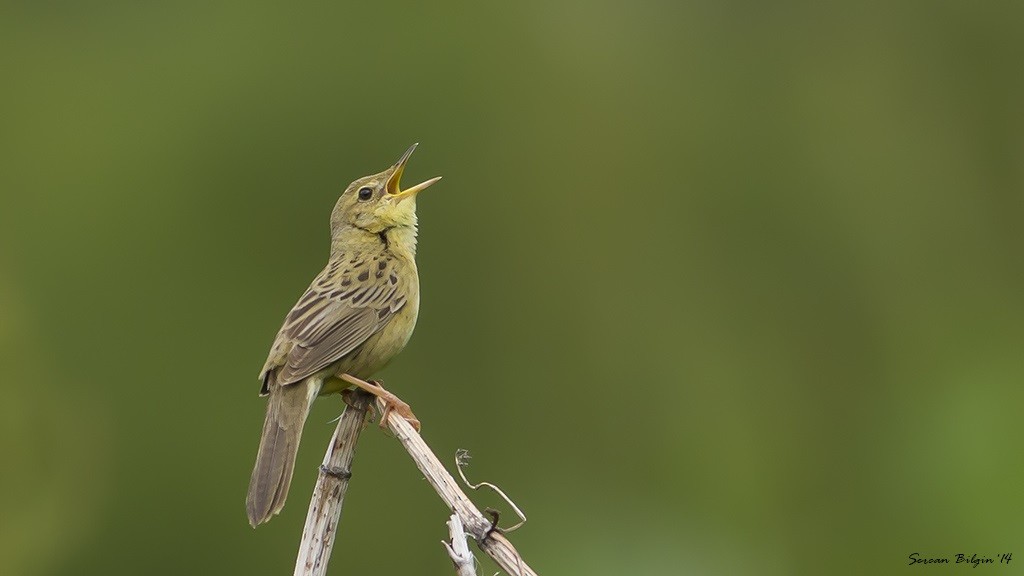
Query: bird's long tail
(287, 409)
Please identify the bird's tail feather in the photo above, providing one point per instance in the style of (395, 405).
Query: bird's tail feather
(287, 409)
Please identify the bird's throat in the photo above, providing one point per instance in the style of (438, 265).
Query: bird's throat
(400, 240)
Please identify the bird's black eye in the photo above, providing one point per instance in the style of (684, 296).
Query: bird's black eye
(365, 193)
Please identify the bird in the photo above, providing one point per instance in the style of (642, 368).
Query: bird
(356, 315)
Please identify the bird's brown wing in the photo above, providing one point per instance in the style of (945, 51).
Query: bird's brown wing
(346, 304)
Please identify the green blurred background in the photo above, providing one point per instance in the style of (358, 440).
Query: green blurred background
(708, 288)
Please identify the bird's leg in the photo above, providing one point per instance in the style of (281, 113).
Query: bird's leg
(391, 402)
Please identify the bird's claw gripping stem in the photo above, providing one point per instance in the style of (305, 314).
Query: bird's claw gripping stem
(392, 403)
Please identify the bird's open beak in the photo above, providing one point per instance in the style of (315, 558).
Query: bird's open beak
(396, 175)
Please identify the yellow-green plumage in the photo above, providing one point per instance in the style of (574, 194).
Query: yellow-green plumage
(357, 314)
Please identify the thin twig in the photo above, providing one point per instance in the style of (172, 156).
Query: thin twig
(462, 459)
(329, 492)
(458, 550)
(491, 541)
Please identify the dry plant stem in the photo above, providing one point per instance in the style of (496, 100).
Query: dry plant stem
(493, 543)
(329, 492)
(458, 549)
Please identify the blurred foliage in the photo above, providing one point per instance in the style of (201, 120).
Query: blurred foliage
(740, 284)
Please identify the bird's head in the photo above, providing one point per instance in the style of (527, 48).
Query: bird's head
(376, 203)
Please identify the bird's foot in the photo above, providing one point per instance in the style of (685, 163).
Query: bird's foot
(346, 397)
(392, 403)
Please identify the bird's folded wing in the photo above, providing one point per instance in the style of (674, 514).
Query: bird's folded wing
(330, 321)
